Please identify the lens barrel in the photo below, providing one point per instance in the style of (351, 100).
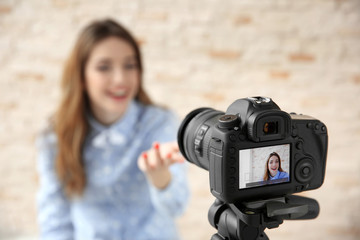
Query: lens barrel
(195, 133)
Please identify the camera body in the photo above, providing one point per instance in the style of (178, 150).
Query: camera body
(255, 151)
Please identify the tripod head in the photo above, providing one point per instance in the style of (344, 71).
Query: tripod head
(248, 220)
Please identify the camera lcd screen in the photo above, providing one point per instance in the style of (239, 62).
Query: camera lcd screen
(264, 166)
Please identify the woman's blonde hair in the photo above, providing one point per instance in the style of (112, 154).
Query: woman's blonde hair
(69, 122)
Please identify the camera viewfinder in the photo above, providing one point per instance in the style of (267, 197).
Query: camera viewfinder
(270, 128)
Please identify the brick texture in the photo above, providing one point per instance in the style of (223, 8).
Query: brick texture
(304, 54)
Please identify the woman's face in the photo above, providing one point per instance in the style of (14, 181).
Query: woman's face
(273, 165)
(112, 79)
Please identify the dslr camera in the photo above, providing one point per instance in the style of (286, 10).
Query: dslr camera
(255, 150)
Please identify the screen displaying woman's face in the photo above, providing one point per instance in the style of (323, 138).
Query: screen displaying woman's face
(273, 165)
(112, 79)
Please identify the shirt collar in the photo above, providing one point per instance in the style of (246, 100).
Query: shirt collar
(117, 132)
(276, 176)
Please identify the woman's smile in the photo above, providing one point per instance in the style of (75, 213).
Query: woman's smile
(118, 95)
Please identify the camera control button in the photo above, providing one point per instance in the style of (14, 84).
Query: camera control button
(294, 132)
(306, 171)
(232, 180)
(232, 138)
(232, 161)
(309, 125)
(299, 145)
(197, 144)
(242, 137)
(232, 150)
(317, 126)
(201, 132)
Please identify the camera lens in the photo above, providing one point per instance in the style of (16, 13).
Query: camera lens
(194, 135)
(270, 128)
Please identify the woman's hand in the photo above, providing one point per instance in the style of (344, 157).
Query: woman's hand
(156, 161)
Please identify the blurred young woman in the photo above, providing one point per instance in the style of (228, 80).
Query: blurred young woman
(109, 164)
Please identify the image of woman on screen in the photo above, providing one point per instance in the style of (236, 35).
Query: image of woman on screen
(273, 170)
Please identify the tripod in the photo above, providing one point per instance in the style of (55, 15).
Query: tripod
(248, 220)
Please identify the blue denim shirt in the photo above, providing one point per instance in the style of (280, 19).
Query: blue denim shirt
(279, 175)
(118, 201)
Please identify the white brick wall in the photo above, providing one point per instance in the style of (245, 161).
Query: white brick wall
(304, 54)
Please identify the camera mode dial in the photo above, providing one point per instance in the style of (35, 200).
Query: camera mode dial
(229, 121)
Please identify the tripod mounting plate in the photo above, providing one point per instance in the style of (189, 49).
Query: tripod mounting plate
(248, 220)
